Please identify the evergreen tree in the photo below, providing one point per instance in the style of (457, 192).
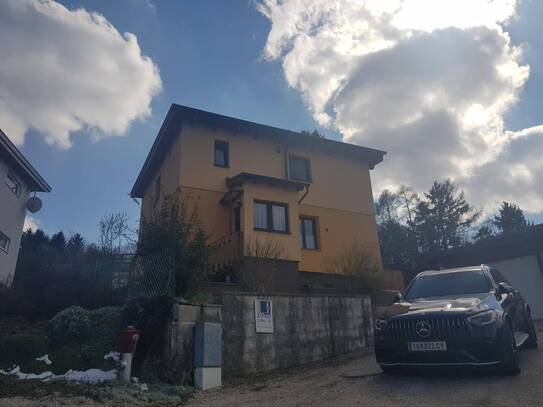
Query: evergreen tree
(398, 247)
(483, 233)
(76, 243)
(441, 217)
(58, 241)
(510, 218)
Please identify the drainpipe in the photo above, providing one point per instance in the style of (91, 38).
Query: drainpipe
(304, 195)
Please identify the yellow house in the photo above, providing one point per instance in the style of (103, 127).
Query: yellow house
(254, 183)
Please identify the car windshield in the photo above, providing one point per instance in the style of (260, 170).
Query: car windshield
(449, 284)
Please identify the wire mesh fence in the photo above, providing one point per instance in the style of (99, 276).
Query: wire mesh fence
(152, 275)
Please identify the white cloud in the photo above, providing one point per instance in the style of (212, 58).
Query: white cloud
(65, 70)
(427, 81)
(31, 223)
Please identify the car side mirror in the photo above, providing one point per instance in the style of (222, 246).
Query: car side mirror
(397, 298)
(503, 289)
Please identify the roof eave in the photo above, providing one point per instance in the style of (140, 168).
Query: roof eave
(36, 181)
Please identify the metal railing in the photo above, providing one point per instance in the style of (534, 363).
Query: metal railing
(224, 254)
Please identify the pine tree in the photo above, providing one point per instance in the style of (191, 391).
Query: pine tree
(510, 218)
(442, 216)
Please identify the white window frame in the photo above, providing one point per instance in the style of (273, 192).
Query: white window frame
(18, 186)
(4, 242)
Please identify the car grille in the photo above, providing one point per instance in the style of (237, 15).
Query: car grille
(440, 328)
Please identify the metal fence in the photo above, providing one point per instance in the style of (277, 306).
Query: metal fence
(152, 275)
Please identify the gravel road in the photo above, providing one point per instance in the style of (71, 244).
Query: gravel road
(327, 385)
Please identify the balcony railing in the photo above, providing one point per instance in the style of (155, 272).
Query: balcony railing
(224, 255)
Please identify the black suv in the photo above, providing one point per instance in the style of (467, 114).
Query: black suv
(469, 316)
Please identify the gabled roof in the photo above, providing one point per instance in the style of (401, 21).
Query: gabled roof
(179, 114)
(16, 159)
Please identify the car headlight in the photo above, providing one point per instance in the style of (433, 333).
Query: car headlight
(482, 318)
(380, 324)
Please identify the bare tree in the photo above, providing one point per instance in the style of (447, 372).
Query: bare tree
(408, 201)
(114, 232)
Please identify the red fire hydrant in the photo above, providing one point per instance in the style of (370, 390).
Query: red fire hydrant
(128, 340)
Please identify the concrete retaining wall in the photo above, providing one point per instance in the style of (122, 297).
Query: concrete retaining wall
(307, 328)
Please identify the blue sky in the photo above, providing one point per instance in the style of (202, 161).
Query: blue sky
(210, 58)
(217, 56)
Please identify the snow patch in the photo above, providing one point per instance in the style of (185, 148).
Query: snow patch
(88, 376)
(115, 356)
(45, 359)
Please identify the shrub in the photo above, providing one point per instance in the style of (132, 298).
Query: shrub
(21, 348)
(176, 225)
(150, 316)
(10, 302)
(356, 260)
(104, 327)
(69, 325)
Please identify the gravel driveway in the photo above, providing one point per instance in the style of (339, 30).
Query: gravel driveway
(328, 385)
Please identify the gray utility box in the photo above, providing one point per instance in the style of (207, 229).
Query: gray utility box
(207, 344)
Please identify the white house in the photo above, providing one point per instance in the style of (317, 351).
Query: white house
(18, 179)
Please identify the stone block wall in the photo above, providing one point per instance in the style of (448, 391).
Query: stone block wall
(307, 328)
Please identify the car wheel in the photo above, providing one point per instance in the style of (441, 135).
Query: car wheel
(531, 342)
(510, 363)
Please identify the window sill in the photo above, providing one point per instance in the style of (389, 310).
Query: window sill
(310, 250)
(272, 231)
(221, 166)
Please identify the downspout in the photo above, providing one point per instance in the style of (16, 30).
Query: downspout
(304, 195)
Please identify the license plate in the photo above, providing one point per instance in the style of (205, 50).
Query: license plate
(427, 346)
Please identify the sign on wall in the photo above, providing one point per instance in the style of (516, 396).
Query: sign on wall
(263, 316)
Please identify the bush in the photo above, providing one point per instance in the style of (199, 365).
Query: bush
(10, 302)
(70, 325)
(150, 316)
(356, 260)
(104, 328)
(21, 348)
(176, 225)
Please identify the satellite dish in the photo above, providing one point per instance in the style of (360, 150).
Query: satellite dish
(33, 204)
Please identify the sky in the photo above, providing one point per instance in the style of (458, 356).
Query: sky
(450, 89)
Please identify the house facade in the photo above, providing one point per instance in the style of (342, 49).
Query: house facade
(256, 185)
(18, 180)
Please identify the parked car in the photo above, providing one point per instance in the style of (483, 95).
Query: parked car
(468, 316)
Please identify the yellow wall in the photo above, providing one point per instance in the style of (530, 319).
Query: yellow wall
(337, 231)
(169, 173)
(340, 195)
(338, 182)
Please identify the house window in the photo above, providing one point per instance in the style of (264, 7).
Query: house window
(271, 217)
(13, 184)
(299, 168)
(4, 242)
(308, 233)
(220, 156)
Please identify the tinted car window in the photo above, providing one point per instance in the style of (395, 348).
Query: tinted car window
(449, 284)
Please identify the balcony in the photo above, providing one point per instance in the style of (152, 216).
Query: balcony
(225, 256)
